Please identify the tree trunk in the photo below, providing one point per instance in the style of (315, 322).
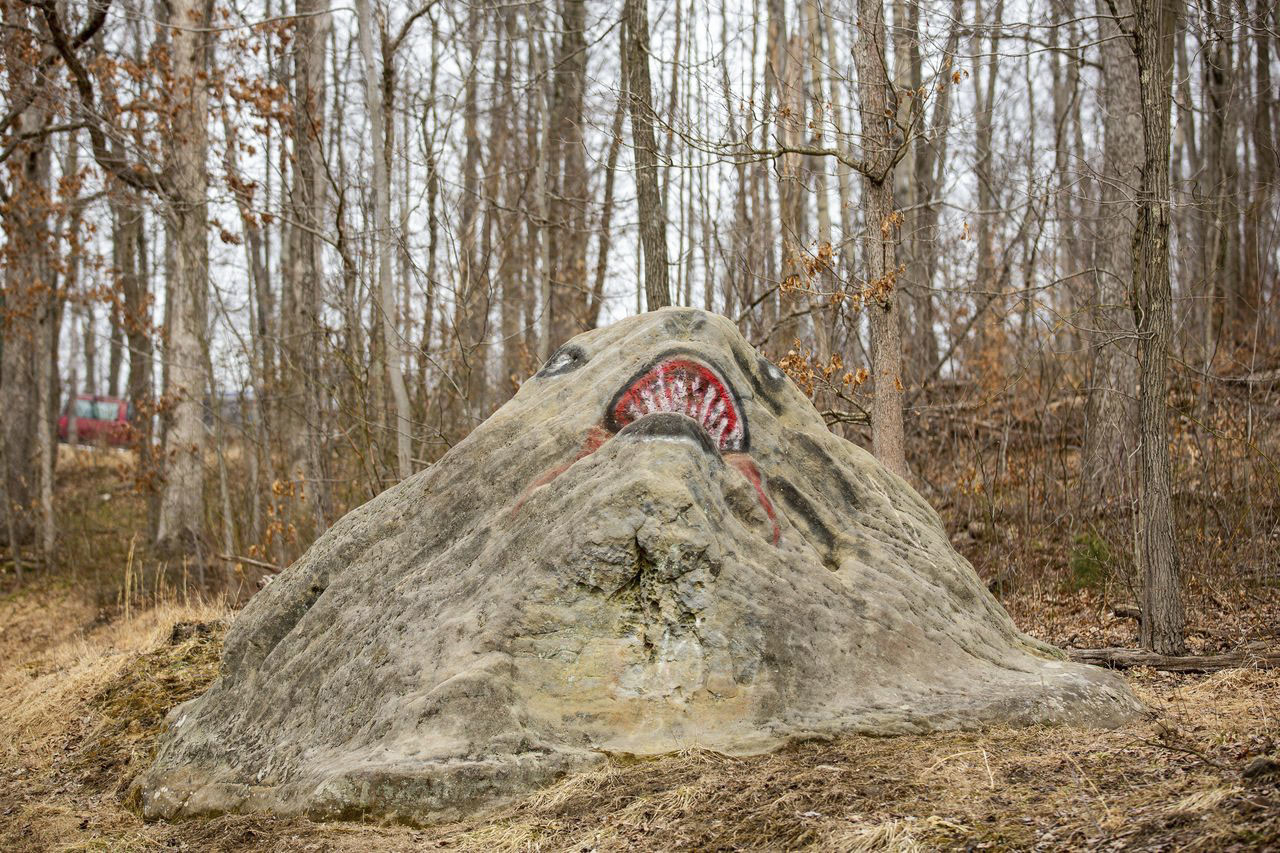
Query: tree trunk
(468, 361)
(990, 339)
(46, 355)
(259, 287)
(1216, 185)
(880, 237)
(373, 94)
(26, 231)
(907, 81)
(740, 248)
(653, 235)
(300, 297)
(929, 164)
(1109, 411)
(1162, 614)
(1258, 262)
(1120, 658)
(568, 177)
(515, 256)
(138, 330)
(605, 240)
(182, 499)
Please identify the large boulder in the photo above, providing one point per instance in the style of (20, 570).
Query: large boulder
(655, 545)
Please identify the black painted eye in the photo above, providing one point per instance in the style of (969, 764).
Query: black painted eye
(568, 357)
(771, 372)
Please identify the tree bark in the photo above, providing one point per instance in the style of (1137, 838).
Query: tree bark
(929, 164)
(136, 320)
(1152, 293)
(303, 274)
(787, 109)
(1258, 262)
(1110, 417)
(46, 355)
(392, 350)
(470, 307)
(605, 240)
(880, 238)
(653, 234)
(1215, 189)
(25, 224)
(182, 499)
(990, 337)
(568, 177)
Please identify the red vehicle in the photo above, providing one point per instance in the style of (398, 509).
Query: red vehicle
(99, 420)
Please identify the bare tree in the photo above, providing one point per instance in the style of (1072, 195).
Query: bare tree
(301, 301)
(881, 225)
(181, 519)
(987, 283)
(635, 63)
(1109, 416)
(27, 263)
(568, 177)
(1162, 623)
(392, 352)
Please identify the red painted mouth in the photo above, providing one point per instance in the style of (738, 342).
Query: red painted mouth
(679, 384)
(687, 387)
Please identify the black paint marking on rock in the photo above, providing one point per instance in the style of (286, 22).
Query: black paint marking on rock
(762, 392)
(564, 360)
(803, 508)
(668, 425)
(829, 465)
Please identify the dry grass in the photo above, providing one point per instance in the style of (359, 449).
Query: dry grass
(79, 715)
(81, 711)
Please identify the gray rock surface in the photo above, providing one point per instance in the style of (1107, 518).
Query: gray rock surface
(655, 545)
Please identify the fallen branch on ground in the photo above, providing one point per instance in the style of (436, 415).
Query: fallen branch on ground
(1119, 658)
(234, 558)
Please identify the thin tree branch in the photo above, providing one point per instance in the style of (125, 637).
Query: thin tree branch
(134, 174)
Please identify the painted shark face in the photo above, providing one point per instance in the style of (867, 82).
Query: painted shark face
(677, 396)
(680, 392)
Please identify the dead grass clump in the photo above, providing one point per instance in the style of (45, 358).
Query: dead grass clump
(79, 718)
(131, 708)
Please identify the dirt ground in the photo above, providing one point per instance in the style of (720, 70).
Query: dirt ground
(83, 697)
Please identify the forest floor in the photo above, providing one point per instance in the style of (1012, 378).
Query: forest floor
(85, 686)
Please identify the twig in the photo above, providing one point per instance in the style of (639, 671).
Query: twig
(1188, 750)
(271, 567)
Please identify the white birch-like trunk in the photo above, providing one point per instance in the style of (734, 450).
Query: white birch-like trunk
(382, 213)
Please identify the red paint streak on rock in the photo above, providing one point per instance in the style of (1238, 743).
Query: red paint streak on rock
(596, 437)
(748, 468)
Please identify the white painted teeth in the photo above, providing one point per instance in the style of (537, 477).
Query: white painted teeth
(679, 389)
(706, 404)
